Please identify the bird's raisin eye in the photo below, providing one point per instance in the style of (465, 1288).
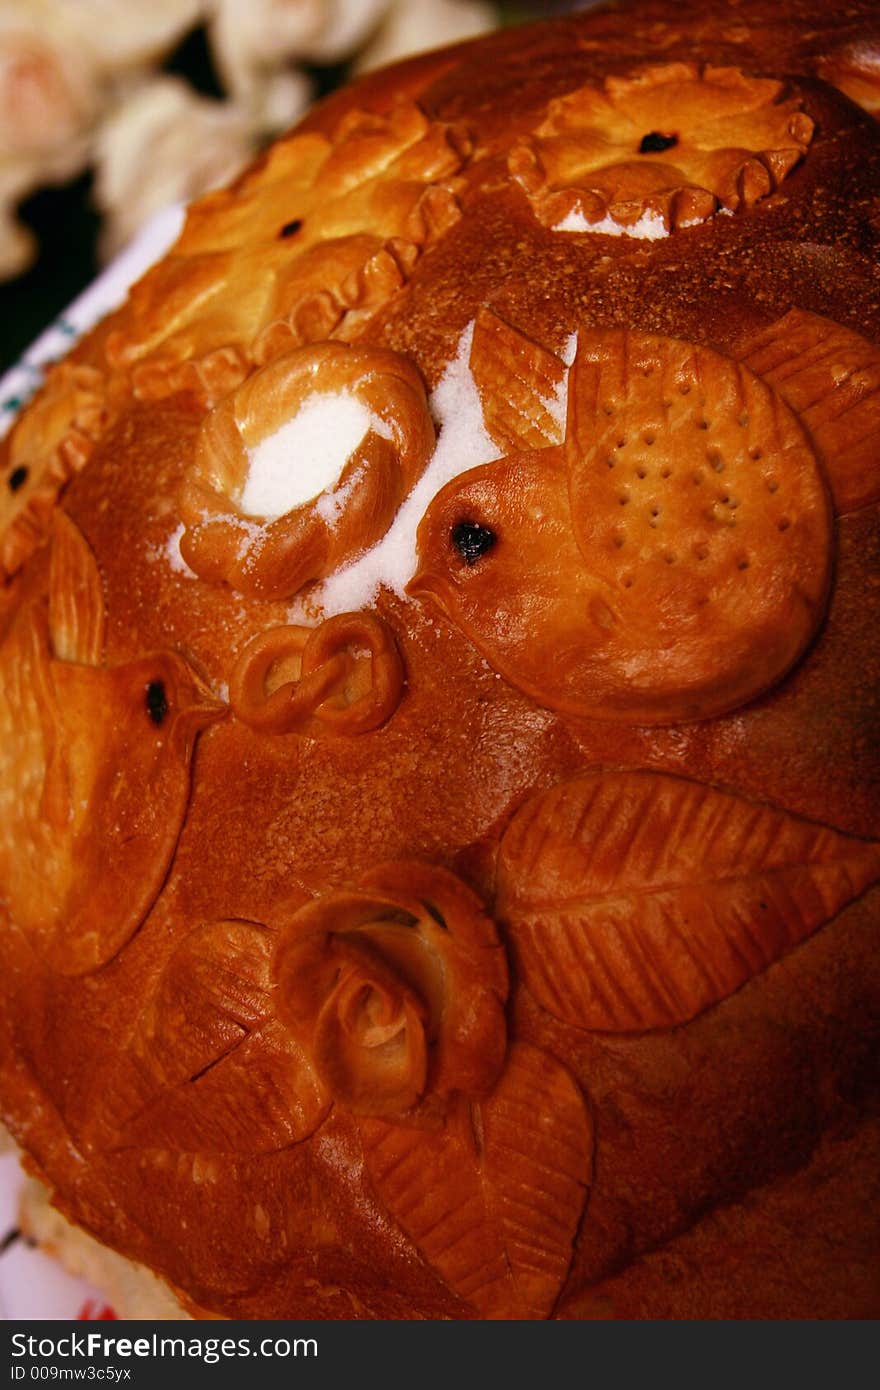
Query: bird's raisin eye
(472, 540)
(156, 701)
(17, 478)
(291, 228)
(655, 142)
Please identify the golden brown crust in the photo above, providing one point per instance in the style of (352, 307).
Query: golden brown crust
(53, 441)
(362, 1009)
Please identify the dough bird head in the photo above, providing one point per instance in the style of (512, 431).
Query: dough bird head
(95, 792)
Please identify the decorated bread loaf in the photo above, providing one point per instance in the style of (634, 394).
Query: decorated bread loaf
(439, 698)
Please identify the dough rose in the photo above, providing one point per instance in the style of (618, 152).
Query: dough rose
(397, 989)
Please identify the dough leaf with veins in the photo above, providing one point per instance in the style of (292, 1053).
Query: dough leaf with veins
(496, 1217)
(635, 900)
(210, 1070)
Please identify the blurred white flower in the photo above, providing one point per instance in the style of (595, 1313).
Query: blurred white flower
(345, 25)
(79, 87)
(50, 96)
(50, 90)
(59, 65)
(123, 34)
(253, 43)
(163, 144)
(17, 246)
(282, 99)
(410, 28)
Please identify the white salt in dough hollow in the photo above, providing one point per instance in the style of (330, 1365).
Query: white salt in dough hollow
(304, 466)
(305, 455)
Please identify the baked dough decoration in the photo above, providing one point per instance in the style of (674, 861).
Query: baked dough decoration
(209, 1068)
(344, 677)
(96, 773)
(493, 1200)
(274, 558)
(635, 900)
(668, 562)
(397, 991)
(854, 69)
(209, 378)
(519, 383)
(661, 552)
(831, 376)
(53, 440)
(676, 142)
(304, 246)
(387, 1001)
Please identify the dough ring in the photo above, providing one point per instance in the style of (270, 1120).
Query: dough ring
(273, 558)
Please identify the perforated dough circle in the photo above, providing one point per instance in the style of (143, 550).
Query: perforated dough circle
(692, 485)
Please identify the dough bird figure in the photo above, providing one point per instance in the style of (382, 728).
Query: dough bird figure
(96, 767)
(656, 566)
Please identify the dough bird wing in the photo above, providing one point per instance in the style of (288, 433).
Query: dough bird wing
(831, 376)
(77, 619)
(520, 384)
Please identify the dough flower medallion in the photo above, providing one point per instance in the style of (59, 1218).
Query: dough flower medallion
(509, 948)
(667, 147)
(273, 557)
(48, 446)
(316, 237)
